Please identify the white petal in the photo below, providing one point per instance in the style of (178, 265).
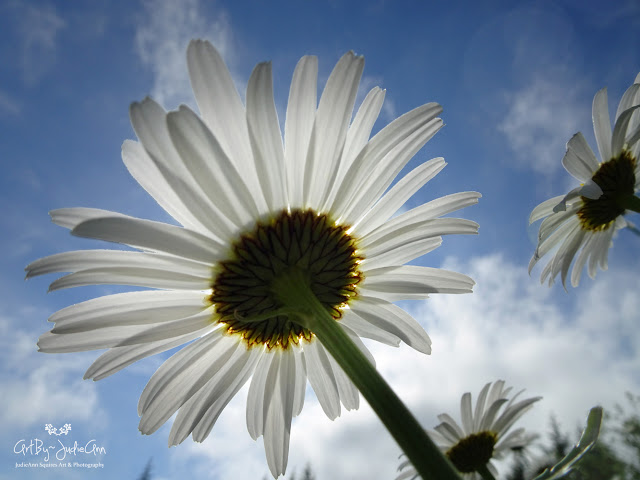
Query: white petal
(381, 144)
(465, 413)
(427, 211)
(255, 397)
(321, 378)
(82, 259)
(237, 380)
(300, 382)
(175, 365)
(134, 276)
(544, 209)
(183, 381)
(170, 329)
(330, 128)
(368, 330)
(480, 402)
(349, 395)
(117, 358)
(150, 235)
(602, 124)
(301, 112)
(72, 217)
(277, 427)
(149, 121)
(402, 255)
(393, 319)
(360, 129)
(146, 173)
(222, 110)
(579, 160)
(201, 411)
(210, 167)
(266, 139)
(629, 99)
(376, 183)
(619, 139)
(409, 279)
(130, 308)
(397, 196)
(414, 230)
(83, 341)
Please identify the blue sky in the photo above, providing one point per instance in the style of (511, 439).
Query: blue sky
(516, 81)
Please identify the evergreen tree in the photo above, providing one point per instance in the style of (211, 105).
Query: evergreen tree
(146, 473)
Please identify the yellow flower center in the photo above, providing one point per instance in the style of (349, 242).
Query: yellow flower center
(617, 180)
(243, 288)
(473, 451)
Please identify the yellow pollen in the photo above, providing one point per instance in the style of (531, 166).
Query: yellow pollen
(243, 286)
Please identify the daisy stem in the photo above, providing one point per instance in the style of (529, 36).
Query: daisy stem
(294, 290)
(485, 473)
(631, 202)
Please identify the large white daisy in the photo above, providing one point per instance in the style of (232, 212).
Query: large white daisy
(483, 435)
(587, 218)
(252, 206)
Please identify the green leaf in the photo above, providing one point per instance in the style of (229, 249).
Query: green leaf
(586, 442)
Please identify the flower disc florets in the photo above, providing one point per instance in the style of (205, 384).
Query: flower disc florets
(617, 180)
(473, 451)
(243, 288)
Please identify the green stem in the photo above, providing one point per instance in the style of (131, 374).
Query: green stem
(631, 202)
(294, 290)
(485, 473)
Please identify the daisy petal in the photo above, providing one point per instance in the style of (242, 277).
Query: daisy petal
(151, 235)
(409, 279)
(321, 378)
(265, 136)
(117, 358)
(147, 174)
(579, 160)
(398, 195)
(602, 124)
(360, 128)
(130, 308)
(210, 166)
(393, 319)
(222, 110)
(330, 129)
(301, 112)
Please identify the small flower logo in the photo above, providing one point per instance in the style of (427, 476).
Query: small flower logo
(64, 430)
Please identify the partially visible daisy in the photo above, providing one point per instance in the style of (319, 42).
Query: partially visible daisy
(583, 222)
(256, 211)
(483, 435)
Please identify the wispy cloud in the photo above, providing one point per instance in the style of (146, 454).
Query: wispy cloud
(540, 118)
(38, 29)
(161, 42)
(9, 106)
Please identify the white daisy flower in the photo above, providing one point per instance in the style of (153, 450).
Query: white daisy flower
(253, 205)
(587, 218)
(483, 435)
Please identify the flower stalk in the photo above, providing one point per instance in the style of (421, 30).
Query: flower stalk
(631, 202)
(294, 291)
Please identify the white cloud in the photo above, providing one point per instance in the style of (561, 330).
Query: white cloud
(39, 388)
(575, 350)
(161, 42)
(540, 118)
(39, 27)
